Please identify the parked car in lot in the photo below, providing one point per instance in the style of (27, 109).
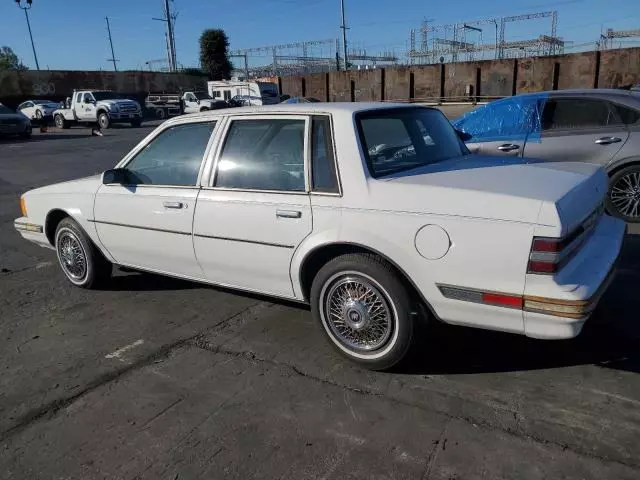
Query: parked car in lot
(375, 214)
(98, 106)
(12, 123)
(596, 126)
(38, 109)
(301, 100)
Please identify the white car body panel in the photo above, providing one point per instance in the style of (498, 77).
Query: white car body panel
(490, 213)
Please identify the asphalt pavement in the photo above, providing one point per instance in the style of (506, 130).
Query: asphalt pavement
(156, 378)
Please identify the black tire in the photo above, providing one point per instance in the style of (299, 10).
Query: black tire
(27, 132)
(362, 272)
(71, 245)
(160, 113)
(60, 122)
(623, 198)
(103, 120)
(136, 123)
(204, 109)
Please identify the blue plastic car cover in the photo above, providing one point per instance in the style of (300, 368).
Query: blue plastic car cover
(514, 118)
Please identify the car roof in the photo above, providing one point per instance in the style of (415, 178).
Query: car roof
(339, 108)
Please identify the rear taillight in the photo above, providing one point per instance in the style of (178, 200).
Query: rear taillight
(549, 255)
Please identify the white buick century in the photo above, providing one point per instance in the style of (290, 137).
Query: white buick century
(375, 214)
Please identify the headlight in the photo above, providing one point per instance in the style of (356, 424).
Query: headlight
(113, 108)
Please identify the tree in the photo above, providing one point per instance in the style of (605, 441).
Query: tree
(9, 60)
(214, 55)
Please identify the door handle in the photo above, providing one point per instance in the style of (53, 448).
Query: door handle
(508, 147)
(288, 213)
(607, 140)
(172, 204)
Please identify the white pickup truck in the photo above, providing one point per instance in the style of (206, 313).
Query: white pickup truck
(103, 107)
(194, 102)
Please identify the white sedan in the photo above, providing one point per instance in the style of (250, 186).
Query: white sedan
(38, 109)
(375, 214)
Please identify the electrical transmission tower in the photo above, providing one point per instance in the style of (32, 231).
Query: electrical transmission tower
(451, 41)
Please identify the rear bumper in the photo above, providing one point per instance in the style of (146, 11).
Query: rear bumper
(578, 287)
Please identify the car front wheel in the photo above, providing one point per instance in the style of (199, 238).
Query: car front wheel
(363, 307)
(623, 200)
(81, 262)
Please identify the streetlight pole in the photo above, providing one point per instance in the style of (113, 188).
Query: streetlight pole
(26, 14)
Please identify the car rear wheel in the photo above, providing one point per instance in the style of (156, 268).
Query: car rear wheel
(361, 304)
(81, 262)
(136, 123)
(623, 200)
(204, 109)
(61, 122)
(103, 120)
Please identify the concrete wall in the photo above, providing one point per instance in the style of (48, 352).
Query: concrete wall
(44, 83)
(426, 82)
(490, 78)
(619, 68)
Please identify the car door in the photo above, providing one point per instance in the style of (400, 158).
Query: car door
(578, 129)
(500, 127)
(27, 109)
(146, 222)
(85, 107)
(255, 210)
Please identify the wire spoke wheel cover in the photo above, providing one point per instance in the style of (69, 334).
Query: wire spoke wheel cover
(357, 312)
(625, 195)
(72, 255)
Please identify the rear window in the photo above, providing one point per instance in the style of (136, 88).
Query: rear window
(400, 139)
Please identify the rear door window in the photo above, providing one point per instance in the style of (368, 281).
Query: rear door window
(578, 113)
(263, 154)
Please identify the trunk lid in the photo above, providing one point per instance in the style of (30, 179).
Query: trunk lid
(511, 189)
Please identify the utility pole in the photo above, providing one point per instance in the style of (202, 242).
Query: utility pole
(113, 55)
(171, 43)
(170, 32)
(28, 7)
(344, 35)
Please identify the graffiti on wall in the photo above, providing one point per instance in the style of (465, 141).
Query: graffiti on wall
(44, 88)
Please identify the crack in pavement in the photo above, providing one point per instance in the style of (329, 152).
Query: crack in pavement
(49, 410)
(199, 342)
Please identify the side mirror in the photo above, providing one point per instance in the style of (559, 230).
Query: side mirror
(464, 136)
(114, 175)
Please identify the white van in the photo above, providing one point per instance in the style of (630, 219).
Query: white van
(253, 93)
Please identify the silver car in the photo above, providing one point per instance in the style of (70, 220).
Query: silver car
(588, 125)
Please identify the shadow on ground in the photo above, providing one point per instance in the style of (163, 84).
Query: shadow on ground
(611, 338)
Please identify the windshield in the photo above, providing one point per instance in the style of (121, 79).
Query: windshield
(4, 110)
(43, 102)
(202, 96)
(105, 96)
(401, 139)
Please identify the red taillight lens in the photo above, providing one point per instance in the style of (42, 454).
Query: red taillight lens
(542, 267)
(547, 245)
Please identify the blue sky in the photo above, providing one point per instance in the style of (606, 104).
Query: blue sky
(71, 34)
